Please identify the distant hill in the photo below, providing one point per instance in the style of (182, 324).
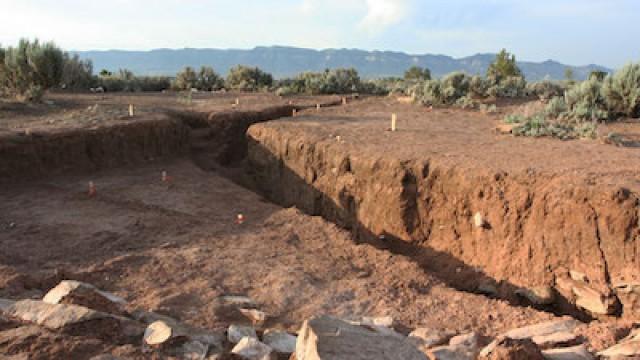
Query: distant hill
(289, 61)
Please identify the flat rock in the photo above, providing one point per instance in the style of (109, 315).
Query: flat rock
(579, 352)
(280, 341)
(541, 329)
(594, 301)
(427, 338)
(559, 339)
(52, 316)
(235, 333)
(192, 350)
(65, 317)
(449, 352)
(252, 349)
(87, 295)
(624, 349)
(210, 338)
(328, 338)
(257, 317)
(386, 321)
(5, 304)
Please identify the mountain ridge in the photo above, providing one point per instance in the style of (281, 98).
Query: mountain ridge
(286, 61)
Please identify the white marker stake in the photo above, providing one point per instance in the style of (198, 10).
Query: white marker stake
(318, 107)
(237, 101)
(344, 101)
(131, 110)
(394, 120)
(295, 112)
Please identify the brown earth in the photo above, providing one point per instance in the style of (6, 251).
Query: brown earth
(548, 205)
(176, 248)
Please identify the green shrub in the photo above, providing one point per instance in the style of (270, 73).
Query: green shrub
(125, 81)
(509, 87)
(585, 101)
(246, 78)
(29, 69)
(478, 87)
(77, 74)
(622, 91)
(598, 75)
(545, 90)
(556, 108)
(206, 79)
(455, 86)
(417, 73)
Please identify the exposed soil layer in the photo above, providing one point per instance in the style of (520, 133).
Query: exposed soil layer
(42, 139)
(176, 249)
(547, 206)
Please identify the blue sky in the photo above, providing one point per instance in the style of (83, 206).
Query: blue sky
(577, 32)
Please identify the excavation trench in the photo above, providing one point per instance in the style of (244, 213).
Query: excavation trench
(536, 231)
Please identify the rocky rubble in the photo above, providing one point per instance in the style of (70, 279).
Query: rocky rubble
(81, 312)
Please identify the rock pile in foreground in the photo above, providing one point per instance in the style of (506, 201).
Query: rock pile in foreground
(85, 314)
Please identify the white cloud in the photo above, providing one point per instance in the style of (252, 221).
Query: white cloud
(383, 13)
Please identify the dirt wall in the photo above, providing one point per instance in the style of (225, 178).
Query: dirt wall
(536, 227)
(39, 154)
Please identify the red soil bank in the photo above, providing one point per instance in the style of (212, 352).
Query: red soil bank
(550, 206)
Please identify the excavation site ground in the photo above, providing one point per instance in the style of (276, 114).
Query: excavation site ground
(310, 206)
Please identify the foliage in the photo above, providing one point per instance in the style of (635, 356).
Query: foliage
(77, 74)
(246, 78)
(335, 81)
(622, 91)
(568, 75)
(586, 101)
(598, 75)
(546, 89)
(417, 73)
(509, 87)
(29, 69)
(125, 80)
(504, 66)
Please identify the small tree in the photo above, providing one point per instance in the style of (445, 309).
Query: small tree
(208, 79)
(186, 79)
(246, 78)
(105, 73)
(77, 74)
(29, 69)
(568, 75)
(597, 75)
(503, 67)
(416, 73)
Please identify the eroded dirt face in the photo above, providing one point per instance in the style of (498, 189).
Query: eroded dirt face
(547, 206)
(177, 249)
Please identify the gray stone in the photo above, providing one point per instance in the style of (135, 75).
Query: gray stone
(541, 329)
(579, 352)
(559, 339)
(5, 304)
(450, 353)
(193, 350)
(280, 341)
(235, 333)
(252, 349)
(627, 348)
(327, 338)
(87, 295)
(427, 338)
